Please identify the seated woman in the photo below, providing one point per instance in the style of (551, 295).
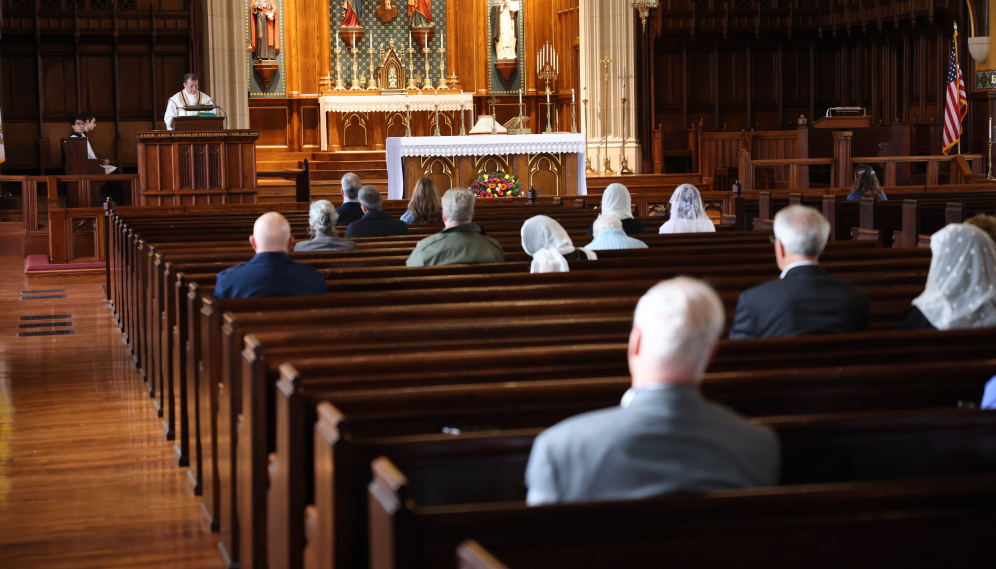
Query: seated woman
(687, 213)
(550, 246)
(865, 185)
(609, 235)
(424, 207)
(616, 201)
(961, 284)
(984, 222)
(322, 218)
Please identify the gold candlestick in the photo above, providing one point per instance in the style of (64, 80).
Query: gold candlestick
(442, 67)
(436, 105)
(587, 159)
(428, 82)
(411, 70)
(372, 83)
(606, 163)
(494, 118)
(549, 113)
(339, 85)
(408, 119)
(990, 178)
(623, 160)
(463, 120)
(357, 85)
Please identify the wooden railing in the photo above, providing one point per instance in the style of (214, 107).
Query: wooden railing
(960, 167)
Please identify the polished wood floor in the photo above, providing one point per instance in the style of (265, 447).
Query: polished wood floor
(87, 478)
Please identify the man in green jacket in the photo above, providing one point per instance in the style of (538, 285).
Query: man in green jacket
(462, 241)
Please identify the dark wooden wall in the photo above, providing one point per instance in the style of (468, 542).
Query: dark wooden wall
(120, 59)
(748, 65)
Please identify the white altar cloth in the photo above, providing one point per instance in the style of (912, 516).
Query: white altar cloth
(485, 145)
(388, 104)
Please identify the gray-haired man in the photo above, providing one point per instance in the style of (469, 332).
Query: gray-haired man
(461, 241)
(350, 209)
(375, 222)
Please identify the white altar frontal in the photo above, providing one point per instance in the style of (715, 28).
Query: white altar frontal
(552, 163)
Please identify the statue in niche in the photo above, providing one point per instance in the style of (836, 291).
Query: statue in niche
(351, 14)
(386, 11)
(503, 14)
(263, 24)
(420, 13)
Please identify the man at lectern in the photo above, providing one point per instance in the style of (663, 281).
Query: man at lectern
(189, 96)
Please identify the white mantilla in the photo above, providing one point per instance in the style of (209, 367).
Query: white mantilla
(389, 104)
(485, 145)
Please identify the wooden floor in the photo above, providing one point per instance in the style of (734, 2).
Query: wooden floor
(87, 478)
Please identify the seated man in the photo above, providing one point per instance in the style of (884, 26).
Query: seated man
(375, 221)
(805, 299)
(609, 235)
(271, 272)
(82, 125)
(461, 241)
(350, 210)
(664, 437)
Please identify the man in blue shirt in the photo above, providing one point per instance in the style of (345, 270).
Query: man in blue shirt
(271, 272)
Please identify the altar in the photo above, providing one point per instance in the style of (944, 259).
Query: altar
(552, 163)
(393, 107)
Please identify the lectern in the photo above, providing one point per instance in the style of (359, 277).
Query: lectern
(197, 166)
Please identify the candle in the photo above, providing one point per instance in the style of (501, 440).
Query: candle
(548, 97)
(337, 41)
(461, 98)
(990, 127)
(572, 96)
(406, 99)
(409, 40)
(354, 41)
(371, 41)
(520, 95)
(437, 97)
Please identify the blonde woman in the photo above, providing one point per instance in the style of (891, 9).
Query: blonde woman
(424, 207)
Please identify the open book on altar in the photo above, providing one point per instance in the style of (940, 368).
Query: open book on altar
(483, 126)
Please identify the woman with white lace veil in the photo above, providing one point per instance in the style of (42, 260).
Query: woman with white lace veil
(617, 201)
(687, 213)
(961, 284)
(550, 246)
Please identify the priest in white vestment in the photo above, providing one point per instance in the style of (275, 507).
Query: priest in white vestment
(189, 96)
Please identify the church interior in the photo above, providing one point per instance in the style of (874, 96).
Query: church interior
(656, 177)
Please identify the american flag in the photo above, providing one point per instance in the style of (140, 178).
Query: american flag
(956, 104)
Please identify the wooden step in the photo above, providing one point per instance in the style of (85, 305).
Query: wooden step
(338, 174)
(378, 155)
(643, 182)
(352, 166)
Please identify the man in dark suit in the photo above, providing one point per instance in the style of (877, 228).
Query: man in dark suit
(375, 222)
(350, 209)
(805, 299)
(271, 272)
(664, 437)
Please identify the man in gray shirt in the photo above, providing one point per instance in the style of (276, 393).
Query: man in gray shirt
(665, 437)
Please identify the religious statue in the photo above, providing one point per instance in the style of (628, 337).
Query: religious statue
(264, 28)
(386, 11)
(503, 14)
(351, 14)
(420, 13)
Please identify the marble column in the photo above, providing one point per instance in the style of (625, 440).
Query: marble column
(225, 68)
(607, 27)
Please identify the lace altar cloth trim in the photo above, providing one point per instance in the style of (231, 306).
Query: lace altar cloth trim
(393, 103)
(488, 145)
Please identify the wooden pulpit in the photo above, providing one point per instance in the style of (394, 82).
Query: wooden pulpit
(197, 167)
(187, 124)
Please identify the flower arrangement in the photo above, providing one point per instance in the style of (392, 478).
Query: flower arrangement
(497, 185)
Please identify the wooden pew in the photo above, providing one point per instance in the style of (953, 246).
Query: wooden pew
(300, 388)
(418, 515)
(862, 525)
